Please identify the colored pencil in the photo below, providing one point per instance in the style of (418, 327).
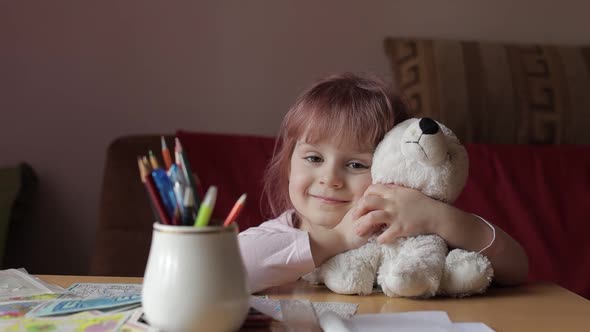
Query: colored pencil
(190, 213)
(186, 170)
(153, 160)
(166, 189)
(177, 218)
(166, 154)
(146, 163)
(143, 174)
(143, 171)
(206, 207)
(156, 200)
(235, 211)
(177, 156)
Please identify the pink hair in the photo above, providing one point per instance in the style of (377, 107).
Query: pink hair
(359, 108)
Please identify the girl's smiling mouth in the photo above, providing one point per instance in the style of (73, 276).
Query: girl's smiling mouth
(328, 200)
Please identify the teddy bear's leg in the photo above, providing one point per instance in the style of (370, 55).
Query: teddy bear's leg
(412, 267)
(352, 272)
(466, 273)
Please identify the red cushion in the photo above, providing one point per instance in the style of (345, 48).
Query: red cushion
(233, 163)
(538, 195)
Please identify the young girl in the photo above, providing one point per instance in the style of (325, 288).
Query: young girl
(319, 185)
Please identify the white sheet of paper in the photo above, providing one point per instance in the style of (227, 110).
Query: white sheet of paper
(427, 321)
(471, 327)
(272, 307)
(18, 283)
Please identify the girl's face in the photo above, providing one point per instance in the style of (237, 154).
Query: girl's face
(326, 179)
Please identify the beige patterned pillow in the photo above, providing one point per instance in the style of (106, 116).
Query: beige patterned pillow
(497, 93)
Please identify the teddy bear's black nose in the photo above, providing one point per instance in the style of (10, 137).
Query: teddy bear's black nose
(428, 126)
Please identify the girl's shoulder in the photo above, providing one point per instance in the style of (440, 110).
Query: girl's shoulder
(285, 219)
(283, 223)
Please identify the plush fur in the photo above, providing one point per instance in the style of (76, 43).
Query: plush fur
(425, 155)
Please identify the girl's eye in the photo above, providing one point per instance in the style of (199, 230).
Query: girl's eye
(313, 159)
(356, 165)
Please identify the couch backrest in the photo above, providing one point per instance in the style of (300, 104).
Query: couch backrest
(540, 196)
(236, 165)
(125, 220)
(537, 194)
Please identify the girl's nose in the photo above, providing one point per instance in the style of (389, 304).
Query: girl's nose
(331, 178)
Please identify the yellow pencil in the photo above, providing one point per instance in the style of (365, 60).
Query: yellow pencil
(146, 164)
(206, 207)
(143, 171)
(153, 160)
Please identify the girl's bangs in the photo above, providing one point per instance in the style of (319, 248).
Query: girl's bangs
(351, 127)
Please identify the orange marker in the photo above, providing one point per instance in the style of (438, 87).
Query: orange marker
(166, 154)
(235, 211)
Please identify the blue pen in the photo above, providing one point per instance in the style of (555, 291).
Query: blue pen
(166, 189)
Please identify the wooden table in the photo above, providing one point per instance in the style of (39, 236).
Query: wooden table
(535, 307)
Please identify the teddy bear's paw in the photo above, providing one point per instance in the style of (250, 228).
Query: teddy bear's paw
(360, 283)
(352, 282)
(407, 286)
(466, 273)
(313, 277)
(352, 272)
(396, 282)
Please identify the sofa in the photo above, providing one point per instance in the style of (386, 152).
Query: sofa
(18, 193)
(538, 194)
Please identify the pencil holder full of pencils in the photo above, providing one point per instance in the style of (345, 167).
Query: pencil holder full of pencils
(195, 279)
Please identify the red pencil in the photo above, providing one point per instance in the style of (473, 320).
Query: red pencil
(235, 211)
(144, 168)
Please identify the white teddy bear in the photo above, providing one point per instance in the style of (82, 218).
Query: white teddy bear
(424, 155)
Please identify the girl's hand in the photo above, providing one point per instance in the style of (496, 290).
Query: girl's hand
(347, 230)
(402, 211)
(328, 242)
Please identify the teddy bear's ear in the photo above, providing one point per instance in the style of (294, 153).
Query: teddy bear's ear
(399, 128)
(451, 137)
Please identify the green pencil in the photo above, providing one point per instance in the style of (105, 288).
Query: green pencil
(206, 207)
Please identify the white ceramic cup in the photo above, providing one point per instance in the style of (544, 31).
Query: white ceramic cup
(195, 279)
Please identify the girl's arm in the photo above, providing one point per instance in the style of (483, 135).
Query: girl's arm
(466, 231)
(408, 212)
(274, 254)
